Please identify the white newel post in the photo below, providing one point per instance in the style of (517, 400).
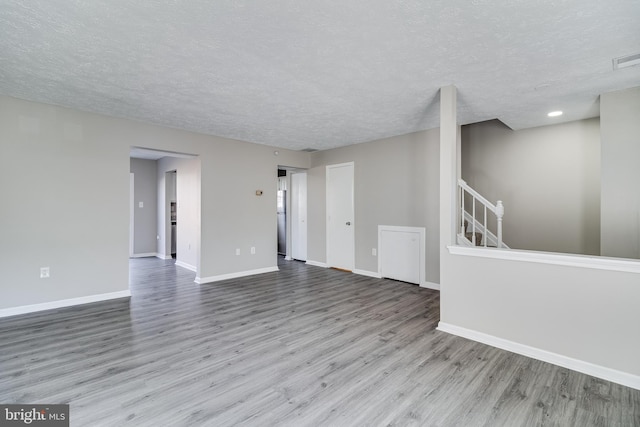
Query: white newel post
(499, 215)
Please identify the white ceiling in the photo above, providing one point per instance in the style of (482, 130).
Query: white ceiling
(318, 74)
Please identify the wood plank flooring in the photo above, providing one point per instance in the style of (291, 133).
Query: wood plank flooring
(304, 346)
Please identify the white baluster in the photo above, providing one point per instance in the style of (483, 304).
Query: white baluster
(499, 215)
(462, 210)
(473, 223)
(484, 236)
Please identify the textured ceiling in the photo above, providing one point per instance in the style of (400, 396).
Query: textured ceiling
(318, 74)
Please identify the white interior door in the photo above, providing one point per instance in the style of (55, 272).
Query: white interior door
(340, 216)
(299, 216)
(131, 214)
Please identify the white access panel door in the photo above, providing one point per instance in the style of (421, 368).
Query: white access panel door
(401, 253)
(299, 216)
(340, 216)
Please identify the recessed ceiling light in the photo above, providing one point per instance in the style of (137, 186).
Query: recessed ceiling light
(555, 114)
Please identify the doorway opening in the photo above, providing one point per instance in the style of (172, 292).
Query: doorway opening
(165, 206)
(171, 188)
(291, 211)
(281, 212)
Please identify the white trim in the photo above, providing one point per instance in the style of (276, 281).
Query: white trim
(144, 255)
(424, 284)
(430, 285)
(24, 309)
(367, 273)
(187, 266)
(340, 165)
(165, 257)
(317, 263)
(201, 280)
(288, 258)
(584, 261)
(463, 241)
(619, 377)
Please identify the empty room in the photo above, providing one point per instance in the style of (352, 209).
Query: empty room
(325, 214)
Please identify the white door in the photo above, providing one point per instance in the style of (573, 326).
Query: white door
(299, 216)
(132, 217)
(340, 216)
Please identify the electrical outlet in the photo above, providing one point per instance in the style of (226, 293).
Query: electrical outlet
(141, 204)
(253, 250)
(44, 272)
(374, 252)
(238, 251)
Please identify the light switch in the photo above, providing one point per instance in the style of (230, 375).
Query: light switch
(140, 204)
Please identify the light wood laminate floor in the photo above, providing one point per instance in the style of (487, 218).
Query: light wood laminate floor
(304, 346)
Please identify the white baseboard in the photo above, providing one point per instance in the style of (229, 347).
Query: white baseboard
(161, 256)
(367, 273)
(144, 255)
(288, 258)
(317, 263)
(187, 266)
(24, 309)
(201, 280)
(430, 285)
(619, 377)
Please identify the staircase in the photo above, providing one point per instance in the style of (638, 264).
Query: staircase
(477, 218)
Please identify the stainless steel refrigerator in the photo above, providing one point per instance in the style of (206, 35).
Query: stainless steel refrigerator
(282, 221)
(174, 228)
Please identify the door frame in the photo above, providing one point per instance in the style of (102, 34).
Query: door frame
(299, 229)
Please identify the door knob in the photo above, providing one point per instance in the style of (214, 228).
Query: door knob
(348, 222)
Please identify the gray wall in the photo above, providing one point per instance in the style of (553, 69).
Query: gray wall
(145, 222)
(188, 204)
(582, 313)
(620, 133)
(396, 183)
(547, 177)
(68, 207)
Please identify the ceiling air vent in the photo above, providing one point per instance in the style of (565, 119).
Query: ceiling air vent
(309, 150)
(626, 61)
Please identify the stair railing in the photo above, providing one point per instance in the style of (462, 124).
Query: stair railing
(497, 209)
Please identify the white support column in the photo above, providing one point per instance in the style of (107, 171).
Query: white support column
(449, 172)
(449, 160)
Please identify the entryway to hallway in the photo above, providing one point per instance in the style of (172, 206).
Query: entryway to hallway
(291, 212)
(165, 206)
